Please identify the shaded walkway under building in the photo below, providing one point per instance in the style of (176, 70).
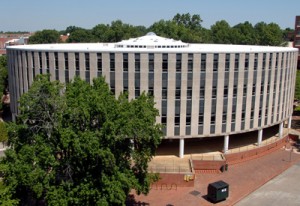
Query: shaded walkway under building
(167, 159)
(212, 145)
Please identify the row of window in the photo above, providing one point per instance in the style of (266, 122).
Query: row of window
(203, 66)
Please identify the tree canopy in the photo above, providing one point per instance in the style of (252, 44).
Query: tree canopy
(3, 75)
(46, 36)
(185, 27)
(79, 145)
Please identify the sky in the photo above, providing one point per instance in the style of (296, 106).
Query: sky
(34, 15)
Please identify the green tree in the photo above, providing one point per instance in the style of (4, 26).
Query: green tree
(81, 36)
(3, 72)
(188, 21)
(297, 86)
(45, 37)
(221, 32)
(79, 145)
(288, 34)
(3, 75)
(3, 132)
(71, 29)
(269, 34)
(182, 27)
(244, 33)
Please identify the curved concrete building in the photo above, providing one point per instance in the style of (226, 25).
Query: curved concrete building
(201, 90)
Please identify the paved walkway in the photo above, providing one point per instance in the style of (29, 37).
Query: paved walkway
(282, 190)
(243, 179)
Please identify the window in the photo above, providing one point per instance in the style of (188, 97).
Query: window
(99, 64)
(216, 62)
(234, 90)
(177, 120)
(177, 107)
(214, 92)
(125, 81)
(33, 63)
(200, 119)
(178, 62)
(188, 114)
(137, 62)
(245, 90)
(203, 62)
(77, 61)
(255, 61)
(150, 82)
(165, 80)
(164, 93)
(189, 93)
(47, 61)
(276, 61)
(188, 120)
(165, 63)
(87, 61)
(177, 93)
(41, 62)
(151, 62)
(227, 62)
(164, 112)
(112, 61)
(225, 93)
(264, 61)
(270, 61)
(66, 61)
(213, 118)
(190, 62)
(125, 62)
(253, 89)
(246, 61)
(202, 92)
(233, 117)
(236, 62)
(137, 78)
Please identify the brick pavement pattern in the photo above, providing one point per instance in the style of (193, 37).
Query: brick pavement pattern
(242, 178)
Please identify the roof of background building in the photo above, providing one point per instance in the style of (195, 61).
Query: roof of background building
(152, 43)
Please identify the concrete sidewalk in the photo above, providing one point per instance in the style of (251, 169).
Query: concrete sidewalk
(282, 190)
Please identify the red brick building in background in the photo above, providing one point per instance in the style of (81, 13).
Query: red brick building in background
(297, 37)
(7, 39)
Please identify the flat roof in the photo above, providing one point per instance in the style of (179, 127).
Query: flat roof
(151, 43)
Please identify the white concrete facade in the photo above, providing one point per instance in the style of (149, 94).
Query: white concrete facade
(200, 90)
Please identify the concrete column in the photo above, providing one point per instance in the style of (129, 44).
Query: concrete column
(259, 139)
(280, 130)
(290, 122)
(226, 143)
(181, 148)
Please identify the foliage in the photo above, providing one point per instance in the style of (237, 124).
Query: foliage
(297, 86)
(80, 35)
(268, 34)
(79, 145)
(244, 33)
(185, 27)
(45, 37)
(3, 75)
(3, 132)
(182, 27)
(221, 32)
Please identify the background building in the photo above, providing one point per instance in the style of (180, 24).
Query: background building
(297, 37)
(200, 90)
(7, 39)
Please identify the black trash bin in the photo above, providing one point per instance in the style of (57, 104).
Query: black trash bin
(217, 191)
